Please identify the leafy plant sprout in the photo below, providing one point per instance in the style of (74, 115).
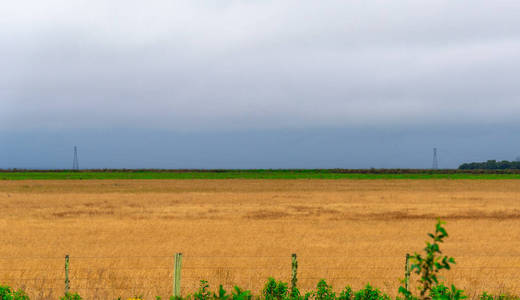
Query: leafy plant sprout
(429, 264)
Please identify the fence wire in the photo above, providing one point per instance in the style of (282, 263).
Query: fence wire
(110, 277)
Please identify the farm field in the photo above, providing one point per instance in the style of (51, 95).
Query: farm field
(260, 174)
(121, 235)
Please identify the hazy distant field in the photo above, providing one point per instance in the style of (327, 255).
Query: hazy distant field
(264, 174)
(122, 234)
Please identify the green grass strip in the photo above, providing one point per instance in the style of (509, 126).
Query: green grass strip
(239, 174)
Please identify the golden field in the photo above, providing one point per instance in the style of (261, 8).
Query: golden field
(121, 235)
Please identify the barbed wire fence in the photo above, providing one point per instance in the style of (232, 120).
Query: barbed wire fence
(111, 277)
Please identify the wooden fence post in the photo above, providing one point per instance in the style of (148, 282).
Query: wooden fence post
(294, 277)
(67, 282)
(407, 272)
(177, 275)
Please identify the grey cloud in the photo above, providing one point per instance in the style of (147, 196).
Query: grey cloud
(198, 65)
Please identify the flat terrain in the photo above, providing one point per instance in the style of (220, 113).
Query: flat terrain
(121, 235)
(261, 174)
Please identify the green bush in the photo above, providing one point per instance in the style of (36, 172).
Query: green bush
(239, 294)
(71, 296)
(274, 290)
(428, 266)
(346, 294)
(7, 293)
(441, 292)
(203, 293)
(324, 291)
(221, 294)
(486, 296)
(278, 290)
(370, 293)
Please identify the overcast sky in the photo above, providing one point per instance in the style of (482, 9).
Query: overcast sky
(365, 71)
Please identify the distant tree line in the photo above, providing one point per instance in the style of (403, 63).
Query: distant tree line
(491, 165)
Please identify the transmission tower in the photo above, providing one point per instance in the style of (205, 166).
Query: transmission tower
(75, 163)
(435, 164)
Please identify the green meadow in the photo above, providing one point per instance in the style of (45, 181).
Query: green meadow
(251, 174)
